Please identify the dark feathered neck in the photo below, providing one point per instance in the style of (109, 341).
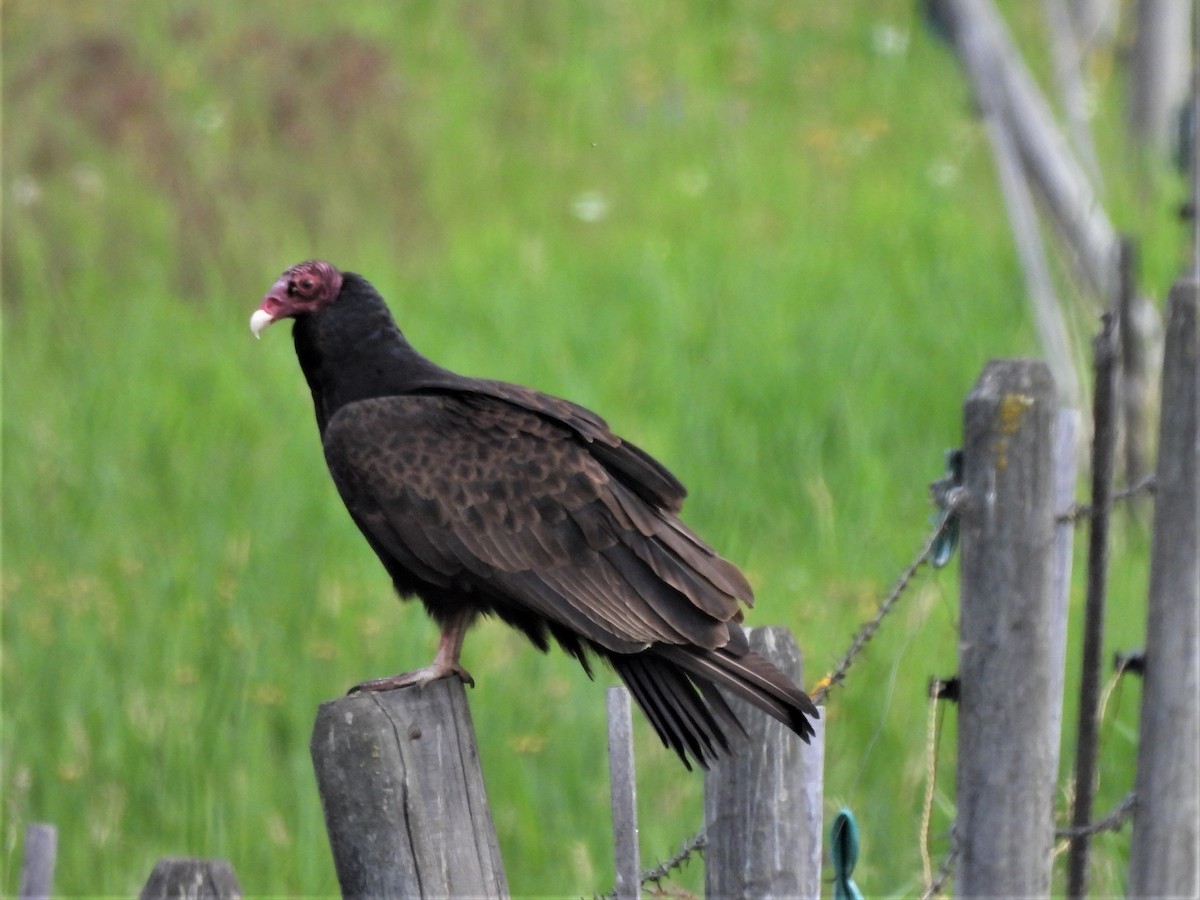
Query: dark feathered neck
(352, 350)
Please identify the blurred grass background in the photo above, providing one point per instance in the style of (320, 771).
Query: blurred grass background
(763, 239)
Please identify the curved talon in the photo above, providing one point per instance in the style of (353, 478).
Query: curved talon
(464, 676)
(419, 677)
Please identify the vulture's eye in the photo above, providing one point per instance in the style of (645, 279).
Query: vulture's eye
(306, 284)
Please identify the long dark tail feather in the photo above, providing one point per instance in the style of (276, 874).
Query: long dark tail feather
(677, 689)
(750, 677)
(690, 717)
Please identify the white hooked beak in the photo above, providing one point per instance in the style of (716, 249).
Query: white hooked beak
(260, 320)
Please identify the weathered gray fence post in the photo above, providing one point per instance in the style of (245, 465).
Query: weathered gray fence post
(37, 862)
(622, 774)
(403, 794)
(1006, 770)
(763, 805)
(185, 878)
(1162, 854)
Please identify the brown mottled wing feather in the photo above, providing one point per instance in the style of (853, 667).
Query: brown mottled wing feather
(635, 468)
(503, 505)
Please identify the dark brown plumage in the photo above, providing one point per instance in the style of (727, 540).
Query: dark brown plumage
(482, 497)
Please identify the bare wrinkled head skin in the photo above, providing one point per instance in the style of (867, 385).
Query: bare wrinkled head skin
(304, 288)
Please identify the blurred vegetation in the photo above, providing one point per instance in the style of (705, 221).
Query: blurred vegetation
(763, 239)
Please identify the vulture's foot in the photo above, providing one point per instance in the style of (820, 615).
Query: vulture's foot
(420, 677)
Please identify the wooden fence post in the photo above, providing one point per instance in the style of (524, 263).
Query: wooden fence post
(1162, 853)
(763, 805)
(403, 794)
(185, 878)
(1006, 770)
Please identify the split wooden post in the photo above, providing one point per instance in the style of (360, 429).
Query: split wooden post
(1162, 854)
(763, 805)
(405, 807)
(1006, 769)
(185, 878)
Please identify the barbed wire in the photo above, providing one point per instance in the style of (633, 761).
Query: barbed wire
(657, 873)
(954, 499)
(695, 845)
(1114, 821)
(1084, 510)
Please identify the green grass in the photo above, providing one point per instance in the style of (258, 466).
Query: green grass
(802, 266)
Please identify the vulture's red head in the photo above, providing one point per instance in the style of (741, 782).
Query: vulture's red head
(304, 288)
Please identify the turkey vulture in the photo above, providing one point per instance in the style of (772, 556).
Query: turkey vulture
(481, 497)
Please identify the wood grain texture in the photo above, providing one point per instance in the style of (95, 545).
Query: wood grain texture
(763, 805)
(1006, 771)
(185, 878)
(1166, 823)
(403, 795)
